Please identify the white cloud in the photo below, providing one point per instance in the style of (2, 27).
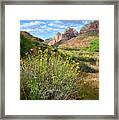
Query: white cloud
(37, 30)
(30, 24)
(43, 26)
(74, 27)
(86, 21)
(56, 25)
(58, 22)
(49, 28)
(26, 29)
(62, 26)
(51, 24)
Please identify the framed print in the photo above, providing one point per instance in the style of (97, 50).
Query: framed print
(59, 60)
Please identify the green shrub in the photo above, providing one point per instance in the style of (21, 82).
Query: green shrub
(85, 68)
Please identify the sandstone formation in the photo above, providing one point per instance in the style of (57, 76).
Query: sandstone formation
(68, 34)
(91, 29)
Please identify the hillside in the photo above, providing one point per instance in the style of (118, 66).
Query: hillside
(79, 42)
(31, 37)
(29, 43)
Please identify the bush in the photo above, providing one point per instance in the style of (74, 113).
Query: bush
(47, 76)
(85, 68)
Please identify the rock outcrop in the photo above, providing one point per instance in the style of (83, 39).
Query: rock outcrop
(70, 33)
(56, 39)
(67, 35)
(91, 29)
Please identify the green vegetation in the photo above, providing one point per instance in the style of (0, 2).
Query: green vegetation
(25, 45)
(93, 46)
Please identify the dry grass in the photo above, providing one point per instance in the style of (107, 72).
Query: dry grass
(89, 89)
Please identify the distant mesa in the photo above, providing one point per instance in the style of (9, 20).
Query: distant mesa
(31, 37)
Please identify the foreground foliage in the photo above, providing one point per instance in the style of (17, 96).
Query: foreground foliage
(52, 74)
(47, 76)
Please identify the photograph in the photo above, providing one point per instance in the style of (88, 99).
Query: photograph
(59, 59)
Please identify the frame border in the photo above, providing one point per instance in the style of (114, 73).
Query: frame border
(2, 60)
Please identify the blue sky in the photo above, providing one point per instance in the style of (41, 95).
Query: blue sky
(48, 28)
